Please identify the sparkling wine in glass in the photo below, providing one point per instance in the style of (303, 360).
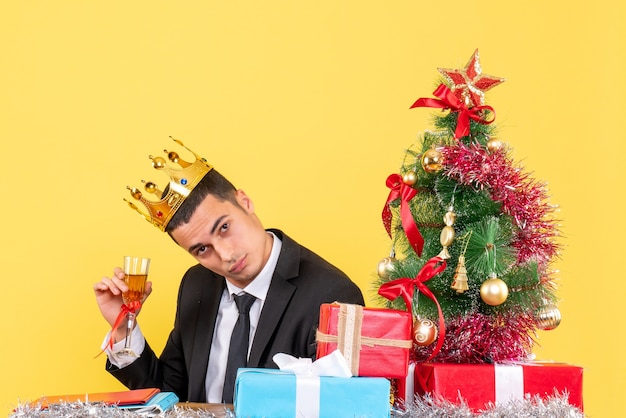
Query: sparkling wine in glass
(135, 275)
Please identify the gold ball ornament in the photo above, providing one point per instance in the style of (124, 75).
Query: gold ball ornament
(424, 332)
(494, 291)
(432, 160)
(385, 267)
(410, 178)
(548, 317)
(494, 144)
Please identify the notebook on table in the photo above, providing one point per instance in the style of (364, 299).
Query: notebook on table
(137, 397)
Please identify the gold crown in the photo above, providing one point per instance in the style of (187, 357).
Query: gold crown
(182, 182)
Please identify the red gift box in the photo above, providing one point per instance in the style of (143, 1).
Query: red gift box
(480, 385)
(374, 341)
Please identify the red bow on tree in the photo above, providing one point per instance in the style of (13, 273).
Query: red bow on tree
(405, 287)
(405, 192)
(448, 100)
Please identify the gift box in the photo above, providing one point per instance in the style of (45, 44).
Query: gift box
(374, 341)
(404, 388)
(278, 394)
(479, 385)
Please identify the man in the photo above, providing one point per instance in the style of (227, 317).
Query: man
(218, 226)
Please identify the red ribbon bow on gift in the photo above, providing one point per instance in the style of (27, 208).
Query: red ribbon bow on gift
(405, 192)
(405, 287)
(448, 100)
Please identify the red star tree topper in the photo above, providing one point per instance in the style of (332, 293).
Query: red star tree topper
(470, 84)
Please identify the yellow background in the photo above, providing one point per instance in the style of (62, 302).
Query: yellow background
(305, 105)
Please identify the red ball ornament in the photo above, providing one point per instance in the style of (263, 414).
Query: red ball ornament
(424, 332)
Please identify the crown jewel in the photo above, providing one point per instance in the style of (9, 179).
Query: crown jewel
(182, 181)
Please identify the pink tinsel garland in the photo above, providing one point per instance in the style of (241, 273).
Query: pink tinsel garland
(521, 196)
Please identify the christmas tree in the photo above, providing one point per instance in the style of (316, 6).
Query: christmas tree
(472, 234)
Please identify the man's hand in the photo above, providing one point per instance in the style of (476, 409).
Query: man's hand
(108, 293)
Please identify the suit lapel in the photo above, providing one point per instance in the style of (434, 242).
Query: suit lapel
(208, 301)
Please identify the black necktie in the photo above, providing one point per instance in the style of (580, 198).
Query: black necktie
(239, 340)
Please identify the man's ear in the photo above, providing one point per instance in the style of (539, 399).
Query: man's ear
(244, 201)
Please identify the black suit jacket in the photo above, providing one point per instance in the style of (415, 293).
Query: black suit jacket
(301, 282)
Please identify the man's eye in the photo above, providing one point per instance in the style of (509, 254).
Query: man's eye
(201, 250)
(225, 227)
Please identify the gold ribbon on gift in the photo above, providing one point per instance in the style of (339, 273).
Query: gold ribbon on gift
(349, 339)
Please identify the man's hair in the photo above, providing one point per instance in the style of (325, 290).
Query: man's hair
(213, 183)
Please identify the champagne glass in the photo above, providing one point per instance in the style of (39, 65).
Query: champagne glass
(135, 275)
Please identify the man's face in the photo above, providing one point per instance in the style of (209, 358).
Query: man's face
(227, 239)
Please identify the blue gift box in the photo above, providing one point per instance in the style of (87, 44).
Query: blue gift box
(279, 394)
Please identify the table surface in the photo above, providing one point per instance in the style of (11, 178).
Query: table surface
(218, 409)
